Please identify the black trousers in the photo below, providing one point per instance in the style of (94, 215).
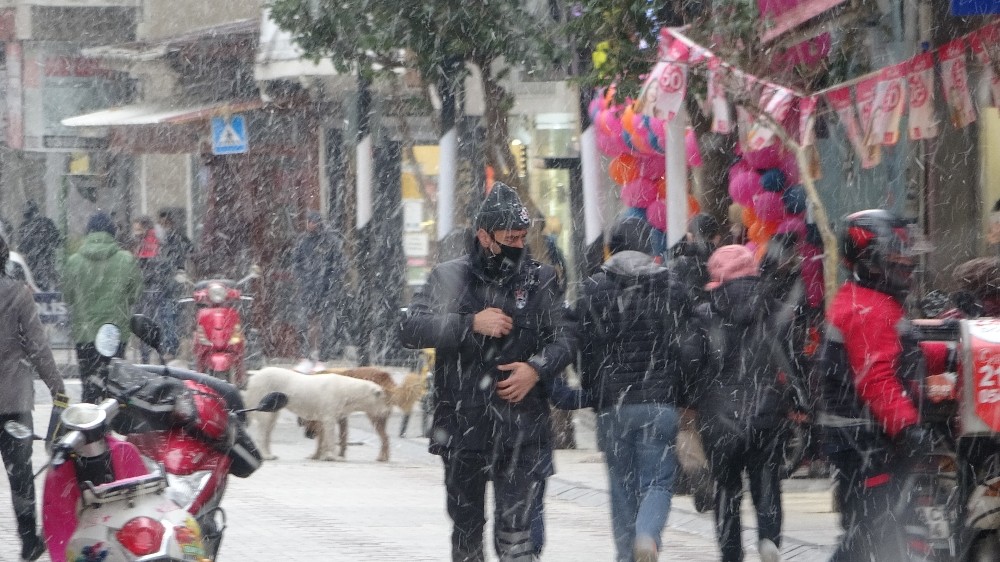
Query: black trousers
(16, 455)
(515, 487)
(89, 362)
(729, 455)
(866, 492)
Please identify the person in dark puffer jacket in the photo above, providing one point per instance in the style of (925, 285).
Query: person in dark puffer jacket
(630, 317)
(741, 406)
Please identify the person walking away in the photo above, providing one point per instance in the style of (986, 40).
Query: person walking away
(24, 350)
(630, 316)
(38, 239)
(740, 397)
(319, 266)
(501, 334)
(175, 250)
(146, 249)
(102, 286)
(869, 363)
(689, 256)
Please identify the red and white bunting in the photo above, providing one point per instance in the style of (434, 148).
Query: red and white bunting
(920, 79)
(864, 92)
(663, 92)
(985, 44)
(744, 123)
(807, 130)
(889, 100)
(955, 80)
(840, 100)
(722, 118)
(775, 101)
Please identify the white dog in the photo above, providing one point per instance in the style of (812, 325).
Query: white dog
(326, 398)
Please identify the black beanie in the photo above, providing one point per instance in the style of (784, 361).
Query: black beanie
(101, 222)
(632, 234)
(502, 210)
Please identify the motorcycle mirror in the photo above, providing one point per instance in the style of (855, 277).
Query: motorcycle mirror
(107, 340)
(147, 330)
(272, 402)
(19, 431)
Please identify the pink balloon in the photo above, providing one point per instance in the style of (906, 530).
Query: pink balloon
(795, 224)
(656, 214)
(611, 146)
(693, 152)
(609, 121)
(639, 193)
(744, 185)
(790, 168)
(594, 108)
(658, 130)
(765, 158)
(768, 207)
(653, 167)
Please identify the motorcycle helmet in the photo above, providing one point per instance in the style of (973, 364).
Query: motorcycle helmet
(879, 248)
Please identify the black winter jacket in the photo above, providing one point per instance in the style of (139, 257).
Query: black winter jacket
(631, 315)
(468, 414)
(748, 336)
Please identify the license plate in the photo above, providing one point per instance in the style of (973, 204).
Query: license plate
(938, 526)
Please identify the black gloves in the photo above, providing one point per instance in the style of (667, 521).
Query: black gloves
(914, 441)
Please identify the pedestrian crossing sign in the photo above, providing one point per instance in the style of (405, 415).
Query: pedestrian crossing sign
(229, 135)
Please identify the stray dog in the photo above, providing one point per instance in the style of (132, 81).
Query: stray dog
(403, 396)
(327, 398)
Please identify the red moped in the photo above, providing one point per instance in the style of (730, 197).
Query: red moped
(220, 338)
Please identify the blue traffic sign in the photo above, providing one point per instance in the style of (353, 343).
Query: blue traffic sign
(229, 135)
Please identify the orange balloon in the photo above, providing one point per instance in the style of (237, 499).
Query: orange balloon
(624, 169)
(628, 120)
(749, 217)
(758, 254)
(694, 207)
(769, 228)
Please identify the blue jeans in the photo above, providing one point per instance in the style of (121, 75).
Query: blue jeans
(639, 443)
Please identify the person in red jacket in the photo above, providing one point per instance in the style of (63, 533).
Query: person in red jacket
(868, 365)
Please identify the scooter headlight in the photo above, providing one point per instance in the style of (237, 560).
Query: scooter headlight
(217, 293)
(183, 490)
(83, 416)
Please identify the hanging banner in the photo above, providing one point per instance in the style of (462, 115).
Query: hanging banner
(985, 44)
(864, 93)
(955, 80)
(722, 118)
(807, 132)
(920, 80)
(840, 100)
(663, 92)
(775, 102)
(744, 123)
(889, 97)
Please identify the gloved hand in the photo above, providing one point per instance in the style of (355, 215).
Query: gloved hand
(914, 441)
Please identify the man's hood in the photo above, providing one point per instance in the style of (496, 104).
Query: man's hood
(99, 246)
(738, 301)
(629, 265)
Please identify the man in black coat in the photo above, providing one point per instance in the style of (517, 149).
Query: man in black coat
(502, 334)
(631, 318)
(319, 265)
(689, 257)
(38, 239)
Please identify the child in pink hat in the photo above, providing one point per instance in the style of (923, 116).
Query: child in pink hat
(730, 262)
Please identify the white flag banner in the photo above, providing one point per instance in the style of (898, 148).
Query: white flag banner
(775, 101)
(920, 80)
(955, 80)
(985, 45)
(807, 130)
(722, 117)
(663, 92)
(840, 100)
(889, 100)
(864, 94)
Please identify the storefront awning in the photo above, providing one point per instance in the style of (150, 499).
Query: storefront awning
(154, 114)
(279, 56)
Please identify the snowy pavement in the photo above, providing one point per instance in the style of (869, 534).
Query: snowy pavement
(361, 510)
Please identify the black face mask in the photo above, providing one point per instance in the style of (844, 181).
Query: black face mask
(506, 261)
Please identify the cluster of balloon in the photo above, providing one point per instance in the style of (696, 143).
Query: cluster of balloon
(765, 183)
(636, 144)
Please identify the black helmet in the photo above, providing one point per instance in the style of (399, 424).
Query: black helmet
(878, 248)
(502, 210)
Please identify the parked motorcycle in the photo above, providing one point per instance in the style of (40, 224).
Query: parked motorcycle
(220, 339)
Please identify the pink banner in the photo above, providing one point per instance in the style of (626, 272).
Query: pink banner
(663, 92)
(955, 80)
(864, 92)
(807, 130)
(722, 118)
(889, 100)
(985, 45)
(840, 100)
(920, 80)
(775, 102)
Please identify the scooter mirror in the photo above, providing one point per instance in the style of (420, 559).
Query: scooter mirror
(107, 340)
(147, 330)
(272, 402)
(18, 430)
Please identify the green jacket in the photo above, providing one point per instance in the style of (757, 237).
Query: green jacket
(101, 284)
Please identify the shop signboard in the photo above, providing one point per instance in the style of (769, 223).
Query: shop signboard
(974, 7)
(54, 315)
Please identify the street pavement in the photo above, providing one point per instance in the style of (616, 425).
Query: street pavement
(362, 510)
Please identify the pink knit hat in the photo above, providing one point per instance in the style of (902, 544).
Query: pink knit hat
(730, 262)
